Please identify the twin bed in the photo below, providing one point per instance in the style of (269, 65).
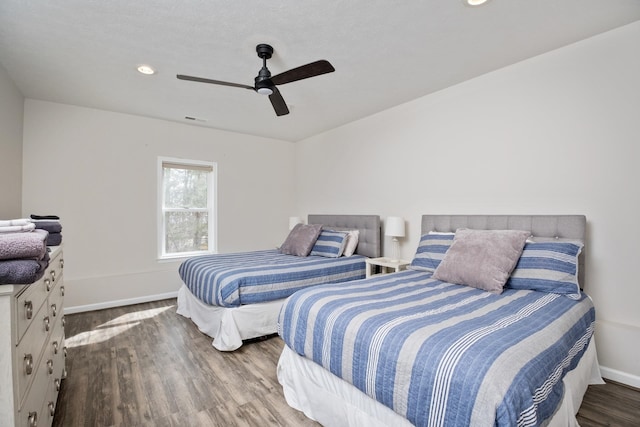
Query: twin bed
(237, 297)
(407, 349)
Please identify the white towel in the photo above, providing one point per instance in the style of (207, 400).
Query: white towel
(12, 222)
(17, 228)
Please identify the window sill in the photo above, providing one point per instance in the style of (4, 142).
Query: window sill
(178, 257)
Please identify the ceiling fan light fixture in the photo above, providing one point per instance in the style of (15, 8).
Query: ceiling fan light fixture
(264, 91)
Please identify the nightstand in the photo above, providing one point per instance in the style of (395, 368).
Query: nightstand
(386, 265)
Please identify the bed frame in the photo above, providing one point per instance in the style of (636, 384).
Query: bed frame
(230, 326)
(332, 401)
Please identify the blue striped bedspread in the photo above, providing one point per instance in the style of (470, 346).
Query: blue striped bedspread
(231, 280)
(441, 354)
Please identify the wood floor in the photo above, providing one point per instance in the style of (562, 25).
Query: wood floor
(146, 365)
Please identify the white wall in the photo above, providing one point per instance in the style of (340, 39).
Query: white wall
(11, 115)
(556, 134)
(97, 171)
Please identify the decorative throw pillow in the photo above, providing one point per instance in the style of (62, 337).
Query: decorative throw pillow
(330, 243)
(483, 259)
(548, 267)
(301, 239)
(433, 245)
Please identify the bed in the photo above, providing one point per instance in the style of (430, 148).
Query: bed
(408, 349)
(237, 297)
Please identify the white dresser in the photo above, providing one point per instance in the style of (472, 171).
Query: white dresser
(32, 351)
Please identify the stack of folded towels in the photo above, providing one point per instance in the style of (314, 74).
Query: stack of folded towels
(50, 223)
(23, 252)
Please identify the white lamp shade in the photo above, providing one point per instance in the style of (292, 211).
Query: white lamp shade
(394, 226)
(293, 220)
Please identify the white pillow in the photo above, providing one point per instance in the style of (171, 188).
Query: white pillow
(352, 242)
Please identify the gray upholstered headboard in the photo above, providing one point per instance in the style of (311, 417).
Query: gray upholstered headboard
(572, 227)
(369, 241)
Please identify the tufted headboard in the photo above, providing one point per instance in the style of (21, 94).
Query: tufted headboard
(569, 227)
(369, 241)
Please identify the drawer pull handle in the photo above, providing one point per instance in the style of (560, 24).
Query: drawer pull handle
(63, 321)
(47, 325)
(28, 364)
(55, 347)
(47, 283)
(54, 310)
(50, 366)
(62, 263)
(64, 350)
(28, 305)
(53, 275)
(57, 384)
(52, 408)
(33, 419)
(62, 290)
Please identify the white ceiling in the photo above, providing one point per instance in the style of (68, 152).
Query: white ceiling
(85, 52)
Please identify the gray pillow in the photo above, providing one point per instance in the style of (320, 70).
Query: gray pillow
(482, 259)
(301, 239)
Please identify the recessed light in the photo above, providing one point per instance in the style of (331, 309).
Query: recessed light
(475, 2)
(146, 69)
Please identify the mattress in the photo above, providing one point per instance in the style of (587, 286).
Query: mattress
(232, 280)
(436, 353)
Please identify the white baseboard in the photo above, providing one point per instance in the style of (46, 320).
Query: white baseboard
(119, 303)
(620, 377)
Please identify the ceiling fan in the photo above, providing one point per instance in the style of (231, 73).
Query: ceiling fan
(265, 84)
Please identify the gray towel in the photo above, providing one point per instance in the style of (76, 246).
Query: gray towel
(30, 245)
(54, 239)
(22, 272)
(50, 226)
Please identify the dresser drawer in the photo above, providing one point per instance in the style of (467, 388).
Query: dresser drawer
(48, 409)
(56, 301)
(54, 270)
(56, 350)
(31, 412)
(30, 349)
(28, 303)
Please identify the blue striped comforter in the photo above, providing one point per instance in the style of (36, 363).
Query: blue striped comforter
(230, 280)
(441, 354)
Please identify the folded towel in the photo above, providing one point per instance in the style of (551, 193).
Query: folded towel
(51, 226)
(23, 245)
(17, 228)
(44, 216)
(22, 272)
(11, 222)
(54, 239)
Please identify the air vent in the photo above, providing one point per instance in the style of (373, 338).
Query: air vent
(195, 119)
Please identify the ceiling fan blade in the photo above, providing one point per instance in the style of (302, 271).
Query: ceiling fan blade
(215, 82)
(278, 102)
(303, 72)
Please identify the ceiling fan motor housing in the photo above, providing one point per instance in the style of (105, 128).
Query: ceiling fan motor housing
(264, 51)
(263, 83)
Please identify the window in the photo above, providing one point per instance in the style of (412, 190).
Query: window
(186, 196)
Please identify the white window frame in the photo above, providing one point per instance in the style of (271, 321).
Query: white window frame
(211, 207)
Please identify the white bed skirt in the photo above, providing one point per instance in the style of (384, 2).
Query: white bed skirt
(228, 326)
(332, 401)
